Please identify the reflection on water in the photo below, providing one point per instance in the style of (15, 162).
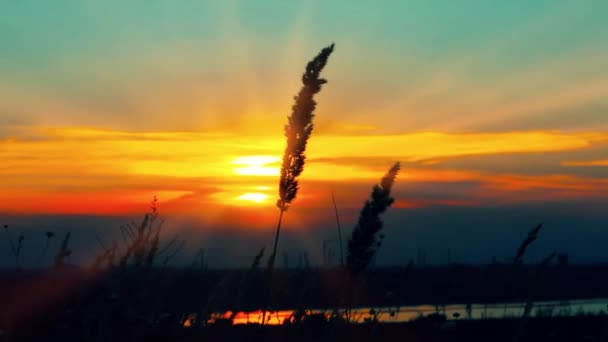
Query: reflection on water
(406, 313)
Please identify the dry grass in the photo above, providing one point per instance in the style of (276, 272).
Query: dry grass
(297, 132)
(532, 236)
(364, 241)
(64, 251)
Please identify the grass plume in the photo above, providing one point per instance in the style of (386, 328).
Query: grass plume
(64, 251)
(363, 243)
(297, 132)
(532, 236)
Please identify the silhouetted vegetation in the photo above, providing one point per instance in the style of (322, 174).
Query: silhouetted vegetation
(364, 241)
(297, 131)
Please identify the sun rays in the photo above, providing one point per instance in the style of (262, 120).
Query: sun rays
(257, 165)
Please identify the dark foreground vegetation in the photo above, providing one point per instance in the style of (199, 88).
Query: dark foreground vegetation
(431, 328)
(72, 303)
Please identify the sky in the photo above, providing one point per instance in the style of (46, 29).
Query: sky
(495, 110)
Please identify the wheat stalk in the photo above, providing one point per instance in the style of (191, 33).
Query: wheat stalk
(297, 131)
(363, 243)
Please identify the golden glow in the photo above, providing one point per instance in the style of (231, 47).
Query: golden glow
(93, 171)
(243, 195)
(255, 197)
(187, 154)
(586, 163)
(257, 166)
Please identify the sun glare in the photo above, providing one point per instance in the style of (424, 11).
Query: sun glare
(255, 197)
(257, 165)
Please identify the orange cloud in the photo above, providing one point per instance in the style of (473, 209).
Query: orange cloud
(73, 170)
(586, 163)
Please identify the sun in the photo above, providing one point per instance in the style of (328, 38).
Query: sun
(257, 165)
(244, 196)
(254, 197)
(254, 166)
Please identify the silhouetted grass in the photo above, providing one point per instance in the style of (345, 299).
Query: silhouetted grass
(297, 131)
(532, 236)
(64, 251)
(364, 242)
(534, 286)
(49, 235)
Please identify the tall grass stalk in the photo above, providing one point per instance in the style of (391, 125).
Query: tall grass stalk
(333, 199)
(532, 236)
(64, 252)
(363, 243)
(49, 235)
(297, 131)
(518, 258)
(534, 286)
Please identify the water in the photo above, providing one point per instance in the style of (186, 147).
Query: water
(454, 311)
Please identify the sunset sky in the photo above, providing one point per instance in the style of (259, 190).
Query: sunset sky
(105, 104)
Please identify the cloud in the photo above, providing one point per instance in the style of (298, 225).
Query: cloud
(87, 170)
(586, 163)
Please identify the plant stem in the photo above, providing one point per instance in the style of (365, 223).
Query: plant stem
(276, 238)
(333, 199)
(270, 269)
